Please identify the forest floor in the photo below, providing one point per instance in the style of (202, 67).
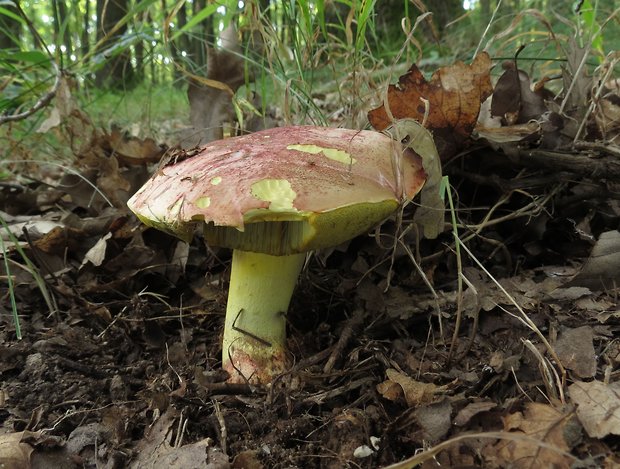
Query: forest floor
(118, 365)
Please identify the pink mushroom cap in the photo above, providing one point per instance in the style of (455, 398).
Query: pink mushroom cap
(283, 190)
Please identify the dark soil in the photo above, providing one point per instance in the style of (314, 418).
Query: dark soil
(125, 371)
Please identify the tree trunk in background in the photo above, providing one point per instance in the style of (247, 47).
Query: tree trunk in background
(139, 47)
(153, 65)
(117, 72)
(181, 22)
(211, 108)
(446, 11)
(10, 30)
(139, 55)
(84, 37)
(485, 10)
(516, 5)
(62, 34)
(201, 37)
(181, 44)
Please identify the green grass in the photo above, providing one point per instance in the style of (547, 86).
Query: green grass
(27, 265)
(145, 105)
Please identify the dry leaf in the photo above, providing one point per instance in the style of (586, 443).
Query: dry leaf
(96, 254)
(14, 454)
(157, 450)
(592, 303)
(64, 105)
(470, 410)
(430, 213)
(598, 407)
(52, 121)
(570, 293)
(513, 98)
(132, 150)
(435, 420)
(390, 390)
(247, 459)
(601, 271)
(608, 120)
(575, 348)
(415, 393)
(454, 95)
(509, 134)
(575, 78)
(210, 97)
(543, 438)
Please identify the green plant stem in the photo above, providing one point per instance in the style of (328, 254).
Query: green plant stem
(9, 280)
(261, 287)
(459, 266)
(31, 269)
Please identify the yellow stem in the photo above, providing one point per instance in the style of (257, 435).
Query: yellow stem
(261, 287)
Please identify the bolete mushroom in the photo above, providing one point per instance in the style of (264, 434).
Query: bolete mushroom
(272, 196)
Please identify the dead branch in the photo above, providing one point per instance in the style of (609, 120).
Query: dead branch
(347, 332)
(508, 185)
(40, 104)
(607, 167)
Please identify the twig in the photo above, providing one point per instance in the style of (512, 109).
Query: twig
(313, 360)
(350, 327)
(181, 426)
(547, 373)
(486, 30)
(602, 147)
(516, 183)
(81, 368)
(417, 265)
(525, 319)
(40, 104)
(474, 327)
(321, 397)
(586, 166)
(594, 99)
(47, 97)
(432, 452)
(35, 252)
(222, 422)
(234, 327)
(459, 269)
(229, 388)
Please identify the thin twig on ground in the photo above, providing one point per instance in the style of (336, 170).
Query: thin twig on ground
(345, 336)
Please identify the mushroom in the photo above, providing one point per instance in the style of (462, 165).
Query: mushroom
(272, 196)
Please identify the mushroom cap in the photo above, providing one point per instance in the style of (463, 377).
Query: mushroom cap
(283, 190)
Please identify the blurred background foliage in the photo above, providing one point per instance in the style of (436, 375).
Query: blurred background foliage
(130, 60)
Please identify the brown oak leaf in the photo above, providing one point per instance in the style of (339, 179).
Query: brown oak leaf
(454, 95)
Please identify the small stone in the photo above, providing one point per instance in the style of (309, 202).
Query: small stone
(363, 451)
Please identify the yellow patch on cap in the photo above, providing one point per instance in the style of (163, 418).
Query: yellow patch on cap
(216, 180)
(203, 202)
(277, 192)
(340, 156)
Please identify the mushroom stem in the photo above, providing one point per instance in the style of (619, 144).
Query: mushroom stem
(261, 286)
